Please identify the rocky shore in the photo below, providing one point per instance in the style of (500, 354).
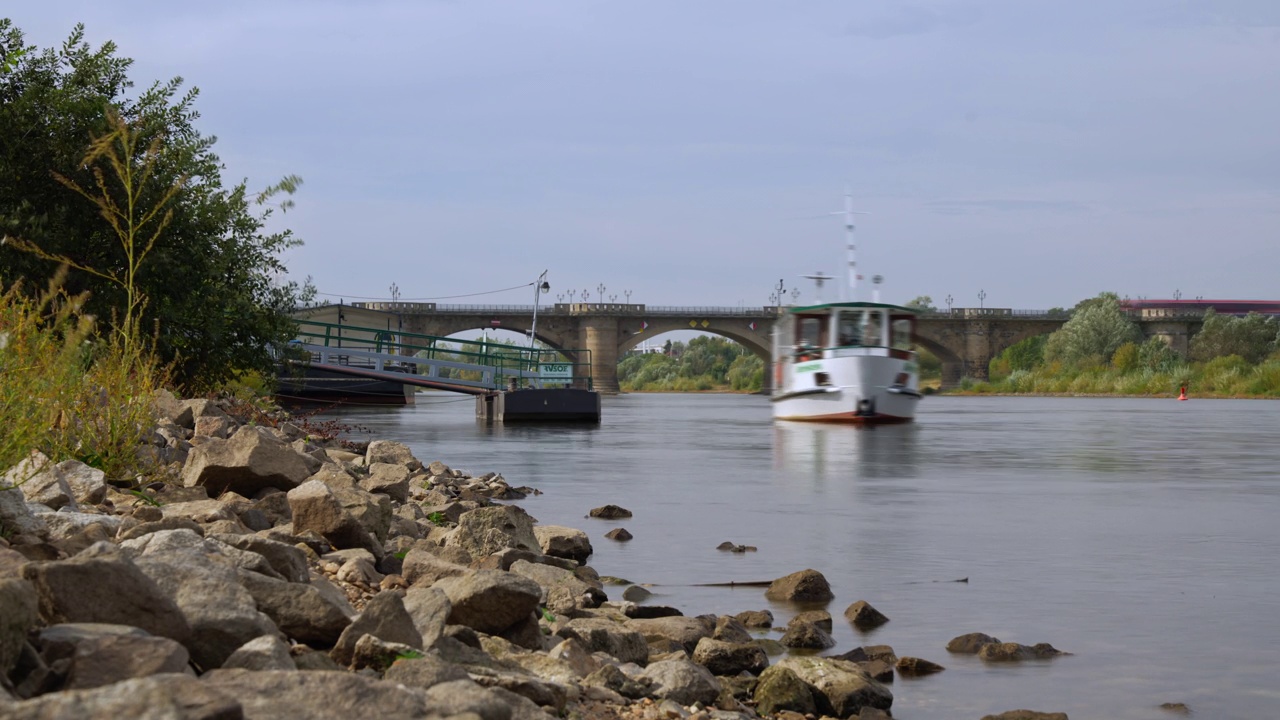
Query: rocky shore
(274, 575)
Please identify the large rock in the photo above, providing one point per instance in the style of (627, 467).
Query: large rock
(779, 689)
(158, 697)
(917, 666)
(388, 479)
(1010, 652)
(262, 653)
(388, 451)
(15, 516)
(423, 567)
(755, 618)
(430, 608)
(562, 591)
(316, 508)
(301, 611)
(288, 561)
(863, 616)
(490, 601)
(686, 631)
(970, 643)
(385, 618)
(424, 672)
(464, 697)
(88, 484)
(682, 681)
(726, 658)
(563, 542)
(803, 586)
(316, 695)
(606, 636)
(843, 688)
(202, 581)
(102, 585)
(246, 463)
(40, 481)
(804, 635)
(487, 530)
(18, 614)
(110, 658)
(610, 512)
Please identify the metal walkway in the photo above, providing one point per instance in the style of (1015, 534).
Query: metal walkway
(473, 367)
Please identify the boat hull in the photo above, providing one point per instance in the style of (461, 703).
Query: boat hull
(852, 390)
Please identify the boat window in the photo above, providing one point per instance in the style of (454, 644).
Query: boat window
(902, 333)
(871, 321)
(850, 331)
(810, 331)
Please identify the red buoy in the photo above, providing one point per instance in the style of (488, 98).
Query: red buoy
(1182, 393)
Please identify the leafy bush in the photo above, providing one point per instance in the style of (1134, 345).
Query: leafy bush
(1098, 328)
(1252, 337)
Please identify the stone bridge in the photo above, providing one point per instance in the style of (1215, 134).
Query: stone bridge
(965, 340)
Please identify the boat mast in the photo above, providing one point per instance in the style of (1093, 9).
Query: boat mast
(849, 246)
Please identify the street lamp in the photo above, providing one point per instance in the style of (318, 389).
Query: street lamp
(540, 286)
(628, 294)
(600, 291)
(586, 295)
(1177, 294)
(949, 300)
(571, 294)
(982, 295)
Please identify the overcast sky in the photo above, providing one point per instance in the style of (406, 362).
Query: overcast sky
(1040, 151)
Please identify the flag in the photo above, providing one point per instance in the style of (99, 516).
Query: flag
(643, 326)
(751, 325)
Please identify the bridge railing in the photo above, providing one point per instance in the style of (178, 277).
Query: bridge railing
(445, 357)
(966, 313)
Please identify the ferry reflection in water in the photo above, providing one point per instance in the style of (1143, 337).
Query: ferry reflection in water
(815, 452)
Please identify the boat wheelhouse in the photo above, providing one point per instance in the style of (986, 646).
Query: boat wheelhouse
(849, 362)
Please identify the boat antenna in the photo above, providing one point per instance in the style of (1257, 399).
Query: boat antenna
(818, 278)
(849, 226)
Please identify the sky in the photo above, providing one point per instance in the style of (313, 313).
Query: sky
(1038, 152)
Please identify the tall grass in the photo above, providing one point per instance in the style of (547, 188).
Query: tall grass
(68, 392)
(1230, 376)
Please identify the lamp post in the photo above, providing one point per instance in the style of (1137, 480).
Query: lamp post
(1177, 294)
(539, 286)
(571, 294)
(948, 301)
(982, 295)
(586, 295)
(628, 294)
(341, 317)
(600, 291)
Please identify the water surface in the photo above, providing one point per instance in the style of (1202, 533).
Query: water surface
(1139, 534)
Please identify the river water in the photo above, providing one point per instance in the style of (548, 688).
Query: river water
(1140, 535)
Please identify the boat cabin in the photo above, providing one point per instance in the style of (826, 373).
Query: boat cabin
(846, 330)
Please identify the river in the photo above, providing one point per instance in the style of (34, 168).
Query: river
(1139, 534)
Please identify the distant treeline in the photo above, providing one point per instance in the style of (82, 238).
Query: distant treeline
(703, 364)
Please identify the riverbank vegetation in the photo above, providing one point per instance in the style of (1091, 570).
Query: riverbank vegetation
(1101, 351)
(704, 364)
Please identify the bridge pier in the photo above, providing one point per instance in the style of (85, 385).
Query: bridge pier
(600, 336)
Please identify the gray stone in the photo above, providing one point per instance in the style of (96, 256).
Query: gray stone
(146, 528)
(316, 695)
(781, 689)
(685, 631)
(247, 462)
(755, 618)
(806, 636)
(18, 614)
(636, 593)
(682, 681)
(609, 677)
(863, 616)
(487, 530)
(388, 451)
(158, 697)
(261, 653)
(490, 601)
(821, 618)
(102, 585)
(316, 508)
(289, 561)
(65, 523)
(459, 697)
(301, 611)
(619, 534)
(421, 566)
(606, 636)
(40, 482)
(430, 608)
(729, 629)
(424, 672)
(970, 643)
(111, 658)
(562, 591)
(385, 618)
(917, 666)
(726, 658)
(201, 511)
(563, 542)
(610, 512)
(388, 479)
(802, 586)
(842, 688)
(1007, 652)
(88, 484)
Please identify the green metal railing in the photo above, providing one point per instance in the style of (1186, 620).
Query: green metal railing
(451, 357)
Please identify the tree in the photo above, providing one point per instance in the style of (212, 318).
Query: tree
(1097, 328)
(1252, 337)
(209, 279)
(922, 302)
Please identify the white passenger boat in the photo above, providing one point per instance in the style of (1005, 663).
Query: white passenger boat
(849, 362)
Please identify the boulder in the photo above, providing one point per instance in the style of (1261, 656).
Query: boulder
(88, 484)
(755, 618)
(15, 516)
(619, 534)
(803, 586)
(842, 688)
(424, 672)
(288, 561)
(316, 695)
(821, 618)
(610, 678)
(563, 542)
(389, 479)
(429, 607)
(112, 657)
(202, 581)
(562, 591)
(575, 656)
(385, 618)
(263, 653)
(1009, 652)
(490, 601)
(18, 614)
(466, 698)
(970, 643)
(102, 585)
(780, 689)
(682, 681)
(423, 567)
(685, 631)
(387, 451)
(730, 630)
(610, 512)
(316, 508)
(40, 482)
(606, 636)
(158, 696)
(301, 611)
(806, 636)
(146, 528)
(917, 666)
(726, 658)
(247, 462)
(487, 530)
(863, 616)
